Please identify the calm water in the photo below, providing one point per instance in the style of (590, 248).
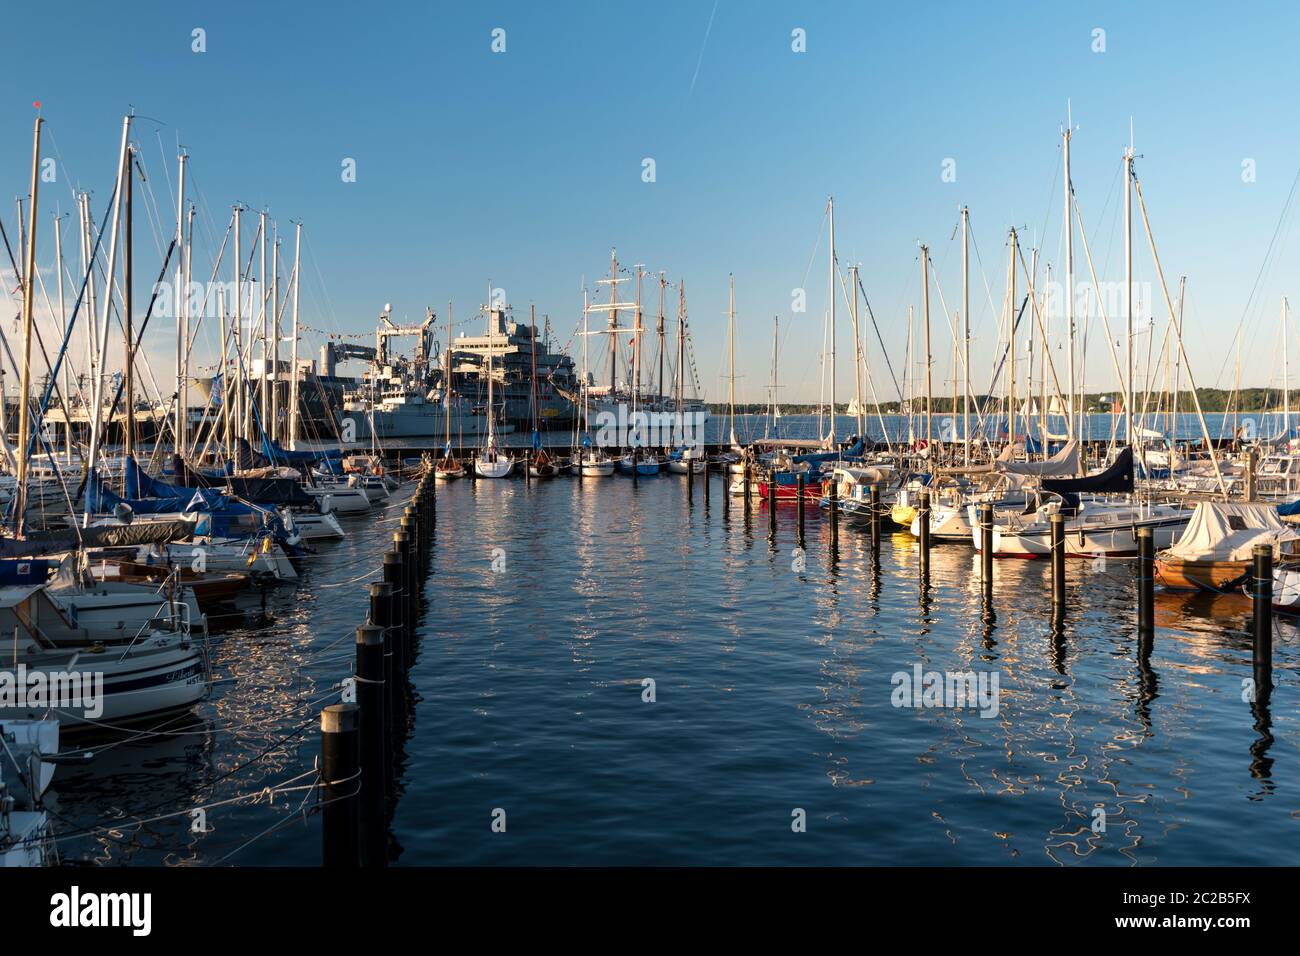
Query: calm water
(773, 693)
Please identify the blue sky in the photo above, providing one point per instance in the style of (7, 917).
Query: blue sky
(524, 167)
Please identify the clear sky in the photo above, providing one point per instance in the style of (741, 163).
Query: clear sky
(525, 167)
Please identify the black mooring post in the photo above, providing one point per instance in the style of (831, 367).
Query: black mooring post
(1262, 596)
(381, 611)
(374, 744)
(726, 491)
(340, 772)
(799, 482)
(875, 517)
(395, 577)
(833, 496)
(986, 549)
(1146, 580)
(923, 521)
(748, 504)
(1057, 527)
(402, 542)
(706, 478)
(636, 461)
(408, 525)
(771, 500)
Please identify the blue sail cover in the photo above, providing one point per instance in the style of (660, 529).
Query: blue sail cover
(280, 453)
(102, 500)
(1292, 509)
(140, 484)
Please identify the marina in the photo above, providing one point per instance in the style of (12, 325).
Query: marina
(570, 478)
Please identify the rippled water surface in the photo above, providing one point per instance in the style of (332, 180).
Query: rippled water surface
(772, 692)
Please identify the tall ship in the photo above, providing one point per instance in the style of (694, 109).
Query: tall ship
(437, 392)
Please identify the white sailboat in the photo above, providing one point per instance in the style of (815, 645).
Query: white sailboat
(492, 462)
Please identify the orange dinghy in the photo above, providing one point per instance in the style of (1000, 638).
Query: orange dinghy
(1214, 551)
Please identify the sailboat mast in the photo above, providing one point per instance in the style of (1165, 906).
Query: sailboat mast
(275, 338)
(1128, 293)
(180, 297)
(830, 205)
(128, 268)
(857, 354)
(1286, 378)
(929, 384)
(1011, 345)
(731, 353)
(446, 381)
(97, 402)
(965, 328)
(613, 322)
(29, 300)
(659, 388)
(293, 349)
(1069, 280)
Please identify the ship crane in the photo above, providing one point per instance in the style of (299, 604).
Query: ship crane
(388, 329)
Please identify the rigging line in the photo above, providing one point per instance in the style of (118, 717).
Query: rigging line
(1286, 208)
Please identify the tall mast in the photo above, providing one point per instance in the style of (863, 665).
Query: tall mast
(830, 206)
(275, 338)
(585, 374)
(636, 341)
(613, 322)
(1128, 292)
(965, 328)
(659, 388)
(29, 300)
(97, 402)
(446, 381)
(293, 349)
(1286, 377)
(67, 366)
(128, 268)
(681, 348)
(1011, 346)
(731, 352)
(264, 287)
(1069, 275)
(491, 409)
(929, 384)
(236, 333)
(180, 297)
(857, 353)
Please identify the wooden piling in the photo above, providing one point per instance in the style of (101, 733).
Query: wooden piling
(986, 549)
(748, 504)
(833, 497)
(340, 774)
(1057, 526)
(381, 615)
(923, 521)
(1146, 581)
(395, 577)
(372, 706)
(875, 517)
(800, 481)
(1262, 597)
(771, 500)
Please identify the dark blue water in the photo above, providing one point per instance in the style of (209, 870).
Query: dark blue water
(772, 695)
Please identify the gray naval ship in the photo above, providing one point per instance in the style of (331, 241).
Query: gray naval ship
(408, 398)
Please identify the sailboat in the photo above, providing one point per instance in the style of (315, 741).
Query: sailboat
(635, 461)
(493, 462)
(588, 461)
(684, 459)
(540, 464)
(448, 467)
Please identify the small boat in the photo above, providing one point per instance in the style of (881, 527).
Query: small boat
(853, 488)
(591, 463)
(541, 465)
(493, 463)
(647, 465)
(158, 672)
(686, 462)
(1214, 552)
(448, 468)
